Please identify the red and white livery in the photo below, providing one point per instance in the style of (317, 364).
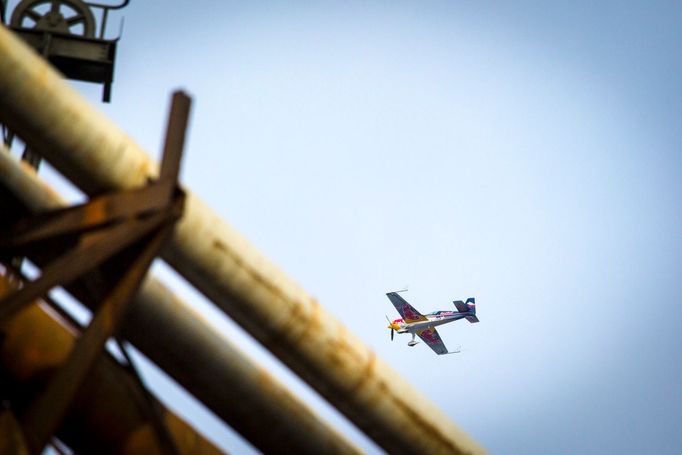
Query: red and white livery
(424, 325)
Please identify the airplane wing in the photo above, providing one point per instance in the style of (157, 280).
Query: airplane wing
(406, 310)
(430, 336)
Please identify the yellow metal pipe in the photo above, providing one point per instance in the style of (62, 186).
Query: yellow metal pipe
(199, 358)
(96, 155)
(109, 413)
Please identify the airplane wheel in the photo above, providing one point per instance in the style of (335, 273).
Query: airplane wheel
(72, 17)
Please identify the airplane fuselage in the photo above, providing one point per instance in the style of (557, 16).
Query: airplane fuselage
(432, 320)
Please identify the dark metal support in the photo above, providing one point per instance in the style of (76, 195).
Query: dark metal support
(42, 418)
(155, 409)
(32, 158)
(160, 427)
(57, 447)
(109, 414)
(99, 212)
(79, 54)
(7, 136)
(175, 137)
(122, 232)
(93, 249)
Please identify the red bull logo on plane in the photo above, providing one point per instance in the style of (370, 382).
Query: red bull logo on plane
(409, 314)
(429, 336)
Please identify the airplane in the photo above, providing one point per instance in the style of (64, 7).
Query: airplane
(424, 325)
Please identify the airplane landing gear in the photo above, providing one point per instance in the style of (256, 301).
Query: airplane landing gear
(412, 343)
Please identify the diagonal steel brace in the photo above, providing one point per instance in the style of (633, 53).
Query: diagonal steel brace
(123, 231)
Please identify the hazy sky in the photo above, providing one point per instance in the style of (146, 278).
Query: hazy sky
(523, 153)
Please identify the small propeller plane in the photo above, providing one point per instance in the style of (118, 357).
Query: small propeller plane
(424, 325)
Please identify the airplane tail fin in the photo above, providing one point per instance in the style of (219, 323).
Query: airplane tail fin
(471, 304)
(467, 307)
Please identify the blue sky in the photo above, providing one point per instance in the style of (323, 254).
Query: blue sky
(523, 153)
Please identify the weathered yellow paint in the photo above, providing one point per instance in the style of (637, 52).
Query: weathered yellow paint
(110, 408)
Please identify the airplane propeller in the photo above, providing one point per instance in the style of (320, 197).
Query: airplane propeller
(390, 326)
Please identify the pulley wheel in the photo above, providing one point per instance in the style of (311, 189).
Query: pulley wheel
(64, 16)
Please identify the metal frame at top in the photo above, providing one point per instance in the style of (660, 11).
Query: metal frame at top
(84, 54)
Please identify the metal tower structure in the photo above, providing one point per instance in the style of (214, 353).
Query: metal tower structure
(65, 32)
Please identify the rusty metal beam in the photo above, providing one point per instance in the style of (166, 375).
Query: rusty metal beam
(97, 212)
(130, 265)
(89, 253)
(79, 141)
(42, 417)
(200, 359)
(175, 137)
(109, 413)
